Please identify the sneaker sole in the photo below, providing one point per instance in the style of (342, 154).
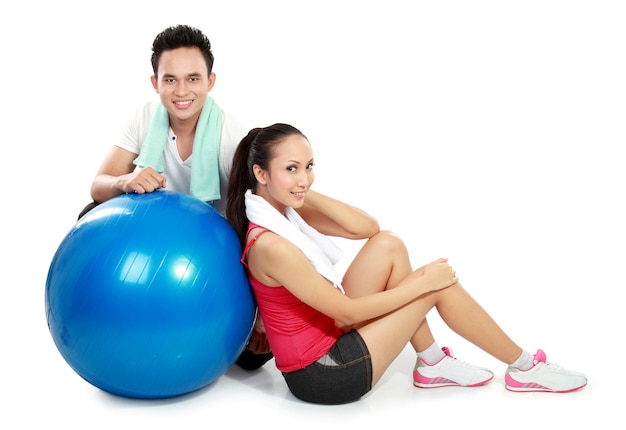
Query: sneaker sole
(540, 389)
(448, 384)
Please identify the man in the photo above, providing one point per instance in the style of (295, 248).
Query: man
(166, 137)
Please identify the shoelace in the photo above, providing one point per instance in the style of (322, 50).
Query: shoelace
(461, 362)
(555, 367)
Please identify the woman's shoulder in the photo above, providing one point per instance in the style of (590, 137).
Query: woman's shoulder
(263, 237)
(271, 245)
(271, 257)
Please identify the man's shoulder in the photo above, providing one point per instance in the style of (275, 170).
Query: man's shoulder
(149, 106)
(233, 130)
(144, 111)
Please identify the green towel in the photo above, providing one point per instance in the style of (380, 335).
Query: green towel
(205, 174)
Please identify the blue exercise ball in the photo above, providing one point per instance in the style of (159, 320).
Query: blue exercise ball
(146, 296)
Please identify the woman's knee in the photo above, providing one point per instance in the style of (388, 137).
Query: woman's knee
(389, 240)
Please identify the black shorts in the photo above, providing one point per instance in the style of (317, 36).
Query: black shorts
(344, 381)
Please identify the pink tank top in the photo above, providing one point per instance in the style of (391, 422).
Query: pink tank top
(298, 334)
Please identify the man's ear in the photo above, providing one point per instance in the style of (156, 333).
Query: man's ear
(211, 81)
(259, 174)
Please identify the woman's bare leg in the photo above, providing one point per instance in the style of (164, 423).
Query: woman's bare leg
(469, 320)
(389, 260)
(387, 336)
(381, 265)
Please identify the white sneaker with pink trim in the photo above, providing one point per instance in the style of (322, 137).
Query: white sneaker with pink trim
(449, 372)
(543, 376)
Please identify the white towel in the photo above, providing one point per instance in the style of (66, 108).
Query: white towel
(317, 247)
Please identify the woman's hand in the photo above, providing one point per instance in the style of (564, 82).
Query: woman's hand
(440, 274)
(258, 343)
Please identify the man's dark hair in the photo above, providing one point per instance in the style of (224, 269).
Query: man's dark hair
(181, 36)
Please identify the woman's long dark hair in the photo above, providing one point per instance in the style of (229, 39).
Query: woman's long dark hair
(255, 148)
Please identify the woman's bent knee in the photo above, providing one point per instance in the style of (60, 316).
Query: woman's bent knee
(389, 240)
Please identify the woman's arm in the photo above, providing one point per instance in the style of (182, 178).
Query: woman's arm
(335, 218)
(275, 261)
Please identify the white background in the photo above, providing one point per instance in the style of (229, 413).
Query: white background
(489, 132)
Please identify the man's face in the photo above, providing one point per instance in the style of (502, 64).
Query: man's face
(183, 82)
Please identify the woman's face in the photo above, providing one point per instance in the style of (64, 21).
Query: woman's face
(290, 173)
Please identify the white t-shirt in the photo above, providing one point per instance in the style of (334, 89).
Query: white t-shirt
(176, 170)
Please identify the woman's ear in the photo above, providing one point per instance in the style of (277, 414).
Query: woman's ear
(259, 174)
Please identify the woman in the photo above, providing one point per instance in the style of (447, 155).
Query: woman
(334, 338)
